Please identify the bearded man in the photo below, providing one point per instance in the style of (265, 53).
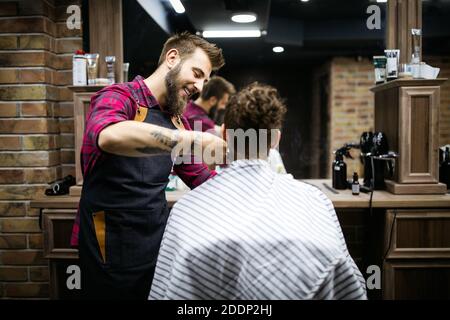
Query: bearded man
(130, 133)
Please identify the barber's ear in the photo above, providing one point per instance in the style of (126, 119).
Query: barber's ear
(172, 58)
(212, 100)
(277, 139)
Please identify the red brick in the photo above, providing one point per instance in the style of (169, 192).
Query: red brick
(29, 159)
(12, 209)
(10, 176)
(10, 143)
(28, 126)
(13, 274)
(46, 175)
(10, 241)
(17, 225)
(35, 241)
(63, 77)
(36, 42)
(66, 109)
(67, 141)
(66, 125)
(26, 290)
(46, 142)
(8, 75)
(67, 156)
(22, 257)
(68, 169)
(8, 109)
(27, 25)
(36, 109)
(39, 274)
(64, 45)
(21, 192)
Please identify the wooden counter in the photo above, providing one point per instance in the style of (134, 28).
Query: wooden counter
(406, 236)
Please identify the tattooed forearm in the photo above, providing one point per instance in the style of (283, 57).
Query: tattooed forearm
(167, 142)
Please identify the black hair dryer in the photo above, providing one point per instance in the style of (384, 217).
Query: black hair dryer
(377, 158)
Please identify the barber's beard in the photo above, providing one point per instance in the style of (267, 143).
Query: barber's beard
(174, 102)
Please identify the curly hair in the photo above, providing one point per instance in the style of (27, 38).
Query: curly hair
(257, 106)
(186, 43)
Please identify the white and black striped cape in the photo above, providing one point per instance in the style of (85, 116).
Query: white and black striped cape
(250, 233)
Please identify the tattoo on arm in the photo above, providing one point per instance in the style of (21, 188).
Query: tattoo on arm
(165, 142)
(163, 139)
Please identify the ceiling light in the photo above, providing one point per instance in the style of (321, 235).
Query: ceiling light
(243, 17)
(278, 49)
(177, 6)
(381, 1)
(305, 0)
(231, 33)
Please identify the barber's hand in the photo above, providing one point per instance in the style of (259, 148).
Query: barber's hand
(203, 145)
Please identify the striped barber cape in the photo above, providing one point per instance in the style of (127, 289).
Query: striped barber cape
(250, 233)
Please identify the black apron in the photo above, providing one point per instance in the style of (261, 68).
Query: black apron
(123, 213)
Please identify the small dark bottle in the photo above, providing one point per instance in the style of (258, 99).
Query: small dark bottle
(444, 169)
(355, 184)
(339, 169)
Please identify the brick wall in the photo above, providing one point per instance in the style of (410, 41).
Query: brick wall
(36, 132)
(352, 104)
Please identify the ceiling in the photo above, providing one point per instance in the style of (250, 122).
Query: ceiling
(309, 31)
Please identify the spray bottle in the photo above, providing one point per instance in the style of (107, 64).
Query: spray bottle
(339, 168)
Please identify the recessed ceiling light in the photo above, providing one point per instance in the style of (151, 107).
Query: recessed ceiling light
(177, 6)
(278, 49)
(381, 1)
(231, 33)
(243, 17)
(305, 0)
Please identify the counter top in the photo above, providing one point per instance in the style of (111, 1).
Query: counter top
(340, 199)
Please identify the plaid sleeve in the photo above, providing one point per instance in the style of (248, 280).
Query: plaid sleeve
(107, 108)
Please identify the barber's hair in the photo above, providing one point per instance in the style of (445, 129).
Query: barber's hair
(257, 106)
(186, 43)
(217, 87)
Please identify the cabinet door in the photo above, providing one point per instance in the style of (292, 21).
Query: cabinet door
(58, 225)
(416, 280)
(417, 234)
(417, 259)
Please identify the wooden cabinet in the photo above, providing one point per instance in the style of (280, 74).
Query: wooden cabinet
(57, 226)
(407, 111)
(407, 236)
(417, 261)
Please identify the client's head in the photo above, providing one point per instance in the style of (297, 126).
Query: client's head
(252, 121)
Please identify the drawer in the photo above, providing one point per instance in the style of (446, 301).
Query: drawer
(416, 280)
(57, 224)
(417, 234)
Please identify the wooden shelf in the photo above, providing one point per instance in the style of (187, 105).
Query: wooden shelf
(408, 83)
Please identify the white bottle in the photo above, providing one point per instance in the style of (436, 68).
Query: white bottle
(79, 69)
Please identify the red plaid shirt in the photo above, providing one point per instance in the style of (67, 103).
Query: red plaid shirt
(118, 103)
